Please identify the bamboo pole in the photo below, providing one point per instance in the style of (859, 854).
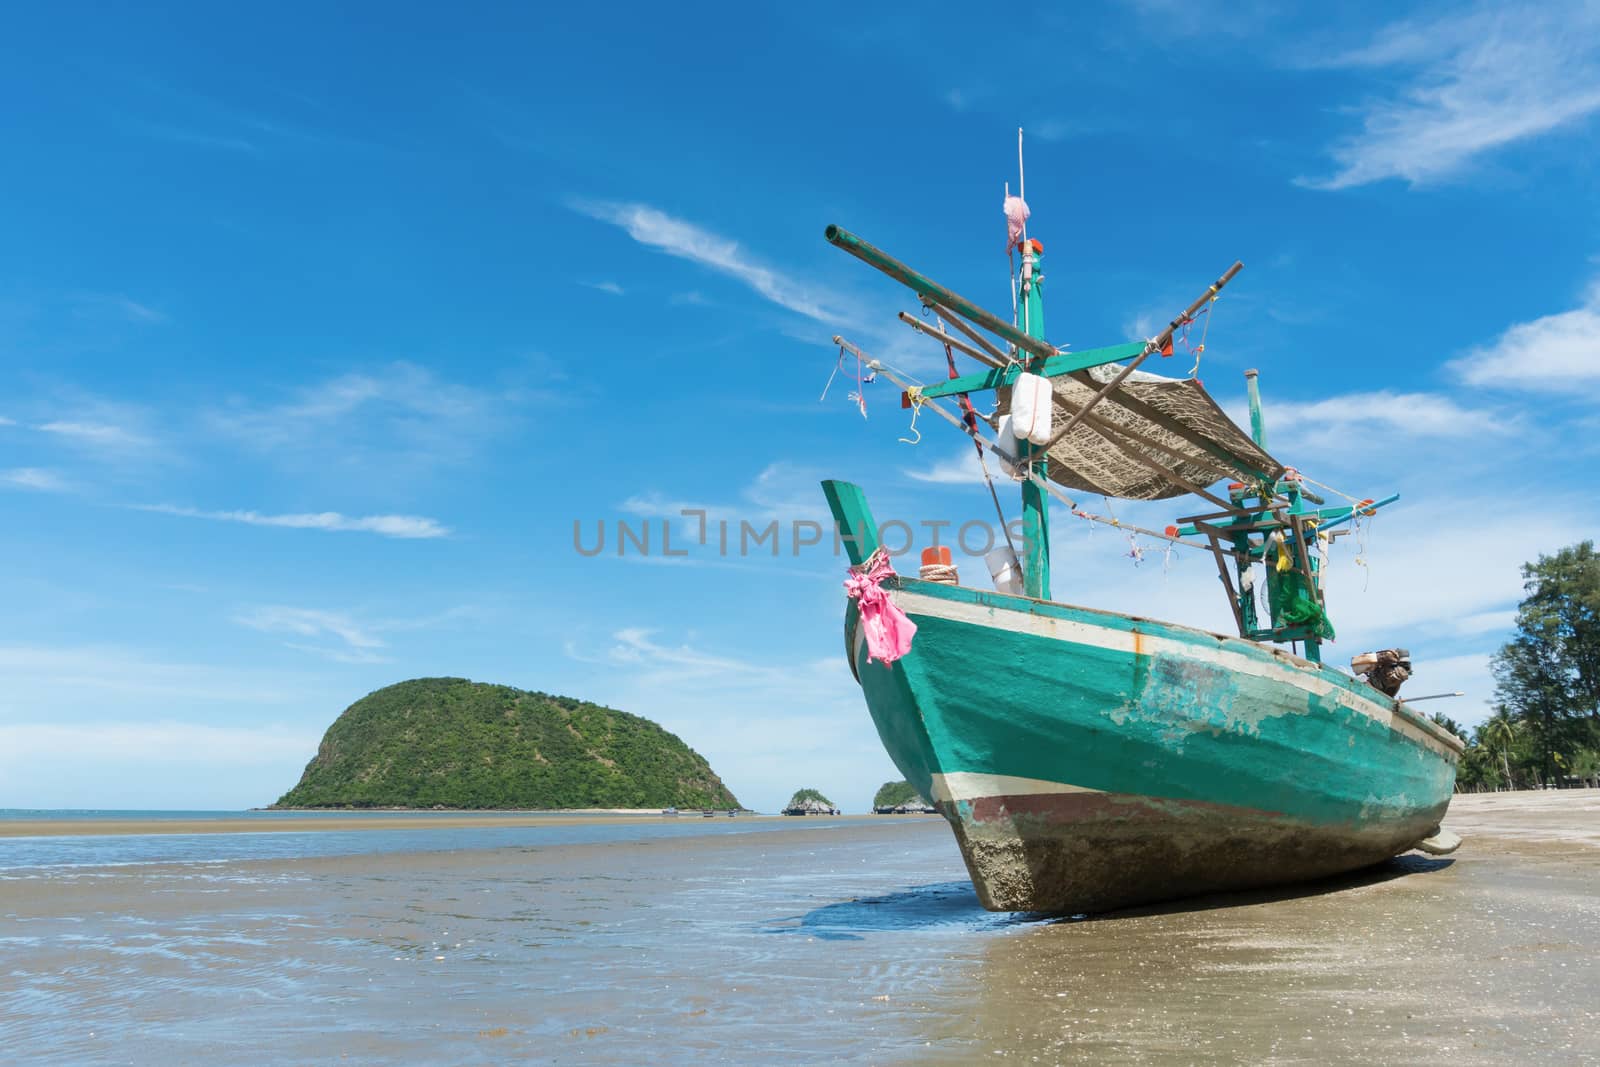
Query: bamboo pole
(1155, 345)
(944, 338)
(973, 335)
(924, 286)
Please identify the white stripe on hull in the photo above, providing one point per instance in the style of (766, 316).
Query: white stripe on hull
(1075, 632)
(971, 785)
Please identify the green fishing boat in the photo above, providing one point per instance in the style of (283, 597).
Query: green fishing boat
(1087, 759)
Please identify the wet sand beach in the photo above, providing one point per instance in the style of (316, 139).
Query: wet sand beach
(858, 942)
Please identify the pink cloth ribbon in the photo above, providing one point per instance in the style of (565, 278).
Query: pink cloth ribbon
(1016, 215)
(888, 630)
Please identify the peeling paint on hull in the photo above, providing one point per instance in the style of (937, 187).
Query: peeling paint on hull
(1088, 760)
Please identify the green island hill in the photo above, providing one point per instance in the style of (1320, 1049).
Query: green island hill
(893, 794)
(453, 743)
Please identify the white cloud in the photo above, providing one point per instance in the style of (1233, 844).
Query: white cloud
(7, 422)
(96, 434)
(307, 622)
(962, 468)
(782, 490)
(402, 526)
(605, 287)
(1379, 418)
(676, 237)
(384, 419)
(336, 635)
(1555, 353)
(1477, 80)
(33, 478)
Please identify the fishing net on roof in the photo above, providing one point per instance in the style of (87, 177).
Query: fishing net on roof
(1142, 420)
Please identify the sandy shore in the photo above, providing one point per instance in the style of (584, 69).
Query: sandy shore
(855, 943)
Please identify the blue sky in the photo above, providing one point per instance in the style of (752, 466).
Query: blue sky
(321, 327)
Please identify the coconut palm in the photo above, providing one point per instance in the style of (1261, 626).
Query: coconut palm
(1500, 732)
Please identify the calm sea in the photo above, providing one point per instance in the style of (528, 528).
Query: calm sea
(268, 842)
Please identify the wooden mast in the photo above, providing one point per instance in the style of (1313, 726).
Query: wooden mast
(1035, 505)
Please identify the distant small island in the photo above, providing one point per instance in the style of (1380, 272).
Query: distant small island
(453, 743)
(896, 798)
(810, 802)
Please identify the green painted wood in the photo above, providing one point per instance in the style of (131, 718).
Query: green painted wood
(925, 286)
(852, 519)
(1258, 431)
(1035, 499)
(1054, 367)
(1256, 521)
(1178, 736)
(1036, 537)
(1037, 707)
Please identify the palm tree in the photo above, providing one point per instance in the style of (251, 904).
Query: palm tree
(1499, 732)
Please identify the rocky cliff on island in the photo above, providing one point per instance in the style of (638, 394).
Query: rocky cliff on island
(452, 743)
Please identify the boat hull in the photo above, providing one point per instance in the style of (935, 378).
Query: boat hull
(1088, 760)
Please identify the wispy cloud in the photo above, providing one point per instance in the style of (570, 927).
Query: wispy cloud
(173, 134)
(79, 678)
(337, 635)
(116, 304)
(606, 287)
(166, 741)
(783, 490)
(33, 478)
(397, 415)
(356, 643)
(960, 469)
(1474, 81)
(1556, 353)
(401, 526)
(676, 237)
(96, 434)
(1382, 416)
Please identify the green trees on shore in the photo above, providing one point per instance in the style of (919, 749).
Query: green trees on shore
(1546, 726)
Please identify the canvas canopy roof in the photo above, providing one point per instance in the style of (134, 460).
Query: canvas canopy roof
(1149, 421)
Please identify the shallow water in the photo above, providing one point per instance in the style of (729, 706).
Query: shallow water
(84, 846)
(855, 943)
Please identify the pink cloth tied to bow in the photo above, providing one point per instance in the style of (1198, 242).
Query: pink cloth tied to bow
(888, 630)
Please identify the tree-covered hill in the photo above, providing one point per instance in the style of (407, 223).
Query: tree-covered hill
(893, 794)
(801, 796)
(458, 744)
